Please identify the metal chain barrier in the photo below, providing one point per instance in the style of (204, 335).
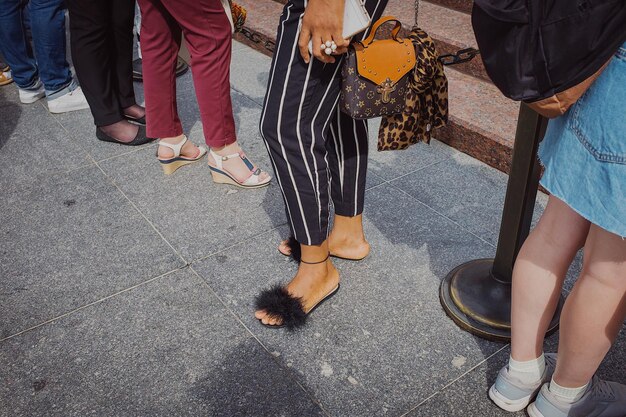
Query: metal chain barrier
(463, 55)
(257, 38)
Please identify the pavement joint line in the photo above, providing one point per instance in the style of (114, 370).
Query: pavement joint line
(246, 96)
(264, 232)
(440, 390)
(142, 214)
(52, 320)
(130, 152)
(444, 216)
(403, 175)
(272, 357)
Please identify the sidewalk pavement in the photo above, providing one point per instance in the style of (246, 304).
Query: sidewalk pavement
(127, 293)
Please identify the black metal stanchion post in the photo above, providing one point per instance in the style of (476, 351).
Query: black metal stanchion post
(477, 294)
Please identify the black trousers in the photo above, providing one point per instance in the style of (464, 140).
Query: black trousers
(318, 153)
(101, 38)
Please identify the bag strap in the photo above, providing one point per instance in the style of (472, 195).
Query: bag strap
(417, 11)
(378, 24)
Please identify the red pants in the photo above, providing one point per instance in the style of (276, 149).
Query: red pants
(207, 33)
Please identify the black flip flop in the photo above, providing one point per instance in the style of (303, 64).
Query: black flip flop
(279, 303)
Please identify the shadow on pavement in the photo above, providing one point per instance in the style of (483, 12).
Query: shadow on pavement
(248, 382)
(10, 117)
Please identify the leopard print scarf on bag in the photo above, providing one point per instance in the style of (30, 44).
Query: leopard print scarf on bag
(426, 101)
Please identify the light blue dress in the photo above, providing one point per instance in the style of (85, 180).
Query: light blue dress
(584, 151)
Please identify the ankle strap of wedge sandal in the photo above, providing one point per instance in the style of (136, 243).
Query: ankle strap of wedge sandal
(316, 263)
(177, 148)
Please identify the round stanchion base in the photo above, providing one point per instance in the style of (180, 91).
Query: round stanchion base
(481, 304)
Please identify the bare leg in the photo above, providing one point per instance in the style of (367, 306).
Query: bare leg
(312, 282)
(594, 311)
(189, 150)
(538, 276)
(346, 240)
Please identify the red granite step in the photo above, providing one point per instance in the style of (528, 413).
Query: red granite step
(450, 29)
(464, 6)
(482, 121)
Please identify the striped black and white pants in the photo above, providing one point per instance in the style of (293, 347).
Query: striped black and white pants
(318, 153)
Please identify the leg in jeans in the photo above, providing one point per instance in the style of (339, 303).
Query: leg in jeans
(539, 273)
(92, 26)
(594, 311)
(160, 41)
(208, 35)
(122, 40)
(47, 22)
(14, 44)
(90, 22)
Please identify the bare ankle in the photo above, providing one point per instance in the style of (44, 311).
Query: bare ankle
(173, 139)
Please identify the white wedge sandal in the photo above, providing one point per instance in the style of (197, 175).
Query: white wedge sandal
(222, 176)
(172, 164)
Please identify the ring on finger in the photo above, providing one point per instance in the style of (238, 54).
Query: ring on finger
(329, 47)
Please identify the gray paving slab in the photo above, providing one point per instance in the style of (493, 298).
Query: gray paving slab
(383, 343)
(466, 190)
(249, 72)
(166, 348)
(197, 216)
(68, 240)
(468, 396)
(393, 164)
(32, 144)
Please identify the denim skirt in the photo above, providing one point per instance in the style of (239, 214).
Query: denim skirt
(584, 151)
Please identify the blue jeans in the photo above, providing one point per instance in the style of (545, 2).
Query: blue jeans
(46, 21)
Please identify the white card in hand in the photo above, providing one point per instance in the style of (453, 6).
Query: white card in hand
(355, 20)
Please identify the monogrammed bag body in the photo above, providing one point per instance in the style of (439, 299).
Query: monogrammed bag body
(376, 75)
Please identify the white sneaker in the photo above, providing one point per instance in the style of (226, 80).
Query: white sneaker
(32, 95)
(74, 100)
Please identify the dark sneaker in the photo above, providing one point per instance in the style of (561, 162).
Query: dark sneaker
(511, 394)
(602, 399)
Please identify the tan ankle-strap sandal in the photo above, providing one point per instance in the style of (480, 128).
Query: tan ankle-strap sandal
(172, 164)
(222, 176)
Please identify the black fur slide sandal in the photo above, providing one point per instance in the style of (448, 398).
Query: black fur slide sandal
(296, 252)
(278, 303)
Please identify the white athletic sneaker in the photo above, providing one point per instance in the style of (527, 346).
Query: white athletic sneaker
(602, 399)
(511, 394)
(74, 100)
(32, 94)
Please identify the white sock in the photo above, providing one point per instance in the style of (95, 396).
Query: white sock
(528, 371)
(567, 395)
